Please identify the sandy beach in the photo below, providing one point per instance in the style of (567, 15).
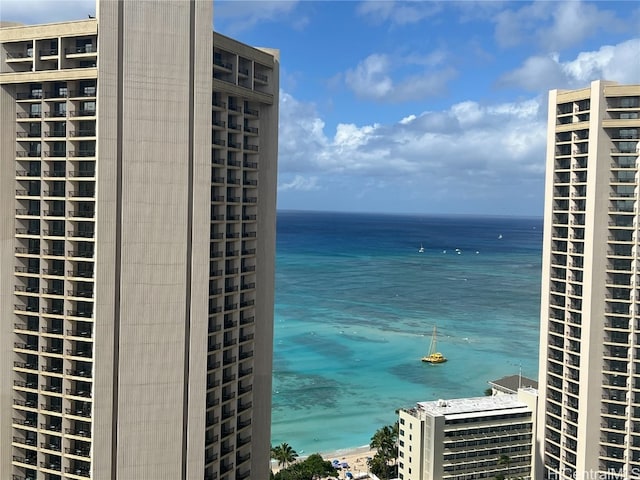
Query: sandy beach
(356, 458)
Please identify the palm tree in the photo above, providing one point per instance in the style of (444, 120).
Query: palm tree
(505, 460)
(385, 441)
(284, 454)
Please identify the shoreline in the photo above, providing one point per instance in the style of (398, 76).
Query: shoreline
(345, 452)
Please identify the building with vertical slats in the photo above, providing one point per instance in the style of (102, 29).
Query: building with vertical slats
(589, 408)
(138, 159)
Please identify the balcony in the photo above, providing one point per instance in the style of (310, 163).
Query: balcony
(81, 472)
(80, 313)
(35, 172)
(79, 452)
(83, 132)
(81, 333)
(81, 233)
(80, 273)
(79, 393)
(25, 460)
(34, 114)
(85, 173)
(82, 193)
(82, 112)
(83, 373)
(25, 366)
(78, 432)
(33, 347)
(51, 408)
(25, 422)
(78, 213)
(79, 412)
(82, 153)
(80, 353)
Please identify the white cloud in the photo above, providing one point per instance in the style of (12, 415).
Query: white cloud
(371, 78)
(242, 16)
(504, 144)
(553, 25)
(514, 26)
(300, 183)
(398, 13)
(408, 119)
(301, 131)
(46, 11)
(574, 21)
(619, 63)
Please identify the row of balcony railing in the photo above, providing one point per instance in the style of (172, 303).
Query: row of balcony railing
(52, 291)
(60, 133)
(54, 311)
(36, 192)
(235, 145)
(28, 53)
(56, 154)
(39, 94)
(84, 215)
(82, 112)
(55, 272)
(234, 126)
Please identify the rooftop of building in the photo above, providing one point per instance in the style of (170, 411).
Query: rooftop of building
(512, 383)
(470, 407)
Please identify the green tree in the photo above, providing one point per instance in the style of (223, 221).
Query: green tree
(312, 468)
(385, 442)
(284, 454)
(505, 460)
(318, 467)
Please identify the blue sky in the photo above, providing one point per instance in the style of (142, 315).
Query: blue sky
(417, 107)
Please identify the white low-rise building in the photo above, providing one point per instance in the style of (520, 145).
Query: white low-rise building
(469, 438)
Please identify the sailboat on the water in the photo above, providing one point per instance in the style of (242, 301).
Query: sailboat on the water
(434, 356)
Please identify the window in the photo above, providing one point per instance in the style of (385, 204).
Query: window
(35, 110)
(60, 110)
(36, 91)
(630, 133)
(84, 45)
(629, 102)
(88, 108)
(87, 89)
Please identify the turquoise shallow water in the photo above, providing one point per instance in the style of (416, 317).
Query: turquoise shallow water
(356, 303)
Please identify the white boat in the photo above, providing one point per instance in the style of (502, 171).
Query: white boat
(421, 249)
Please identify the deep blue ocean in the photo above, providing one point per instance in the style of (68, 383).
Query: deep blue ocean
(356, 303)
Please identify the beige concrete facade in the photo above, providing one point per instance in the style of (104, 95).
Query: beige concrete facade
(137, 244)
(464, 438)
(589, 407)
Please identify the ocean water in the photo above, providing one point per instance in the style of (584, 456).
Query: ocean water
(356, 304)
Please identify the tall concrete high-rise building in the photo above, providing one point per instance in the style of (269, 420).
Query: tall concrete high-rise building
(589, 407)
(138, 155)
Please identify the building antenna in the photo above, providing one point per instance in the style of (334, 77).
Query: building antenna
(520, 377)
